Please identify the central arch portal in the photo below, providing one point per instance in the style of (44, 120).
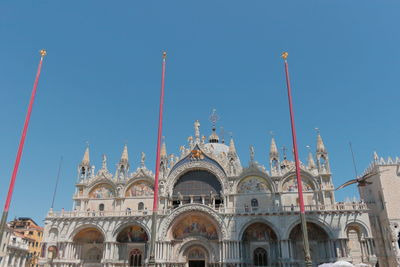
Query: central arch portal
(196, 256)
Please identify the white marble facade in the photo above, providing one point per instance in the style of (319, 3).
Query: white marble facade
(15, 249)
(381, 194)
(213, 211)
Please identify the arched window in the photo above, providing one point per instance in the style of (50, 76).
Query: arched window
(52, 252)
(260, 257)
(135, 258)
(254, 204)
(83, 171)
(140, 206)
(101, 207)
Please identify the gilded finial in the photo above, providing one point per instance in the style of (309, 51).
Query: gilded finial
(285, 55)
(164, 55)
(43, 52)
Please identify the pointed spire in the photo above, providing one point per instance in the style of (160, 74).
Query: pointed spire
(273, 150)
(232, 148)
(124, 156)
(320, 144)
(86, 159)
(376, 158)
(163, 153)
(251, 148)
(311, 162)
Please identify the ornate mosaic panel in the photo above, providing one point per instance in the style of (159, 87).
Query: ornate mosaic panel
(259, 232)
(253, 184)
(195, 225)
(139, 189)
(291, 185)
(132, 234)
(89, 235)
(102, 191)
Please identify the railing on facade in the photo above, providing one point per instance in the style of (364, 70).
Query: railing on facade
(338, 207)
(18, 244)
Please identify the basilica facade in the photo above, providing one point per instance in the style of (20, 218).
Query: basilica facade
(213, 211)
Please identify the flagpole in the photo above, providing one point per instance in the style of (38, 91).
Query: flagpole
(43, 53)
(307, 256)
(155, 199)
(55, 187)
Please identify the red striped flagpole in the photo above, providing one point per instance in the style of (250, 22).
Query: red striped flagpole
(43, 53)
(159, 135)
(307, 256)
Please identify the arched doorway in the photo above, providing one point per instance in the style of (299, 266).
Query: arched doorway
(260, 246)
(318, 239)
(196, 256)
(90, 241)
(136, 257)
(194, 237)
(354, 234)
(133, 239)
(197, 186)
(260, 257)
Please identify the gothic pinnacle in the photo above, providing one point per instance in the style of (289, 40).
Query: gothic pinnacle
(376, 158)
(232, 148)
(320, 144)
(124, 156)
(163, 153)
(311, 163)
(86, 159)
(273, 151)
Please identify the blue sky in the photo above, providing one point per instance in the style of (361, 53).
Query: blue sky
(101, 79)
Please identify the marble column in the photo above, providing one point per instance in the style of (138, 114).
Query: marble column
(284, 244)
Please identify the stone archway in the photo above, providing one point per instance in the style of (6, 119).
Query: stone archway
(196, 256)
(355, 234)
(194, 237)
(319, 243)
(259, 244)
(89, 242)
(132, 243)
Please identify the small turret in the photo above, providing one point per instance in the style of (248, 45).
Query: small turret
(232, 149)
(274, 158)
(84, 169)
(123, 165)
(163, 152)
(376, 157)
(322, 156)
(311, 162)
(163, 159)
(214, 138)
(320, 144)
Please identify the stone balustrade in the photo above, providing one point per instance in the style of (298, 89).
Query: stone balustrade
(332, 208)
